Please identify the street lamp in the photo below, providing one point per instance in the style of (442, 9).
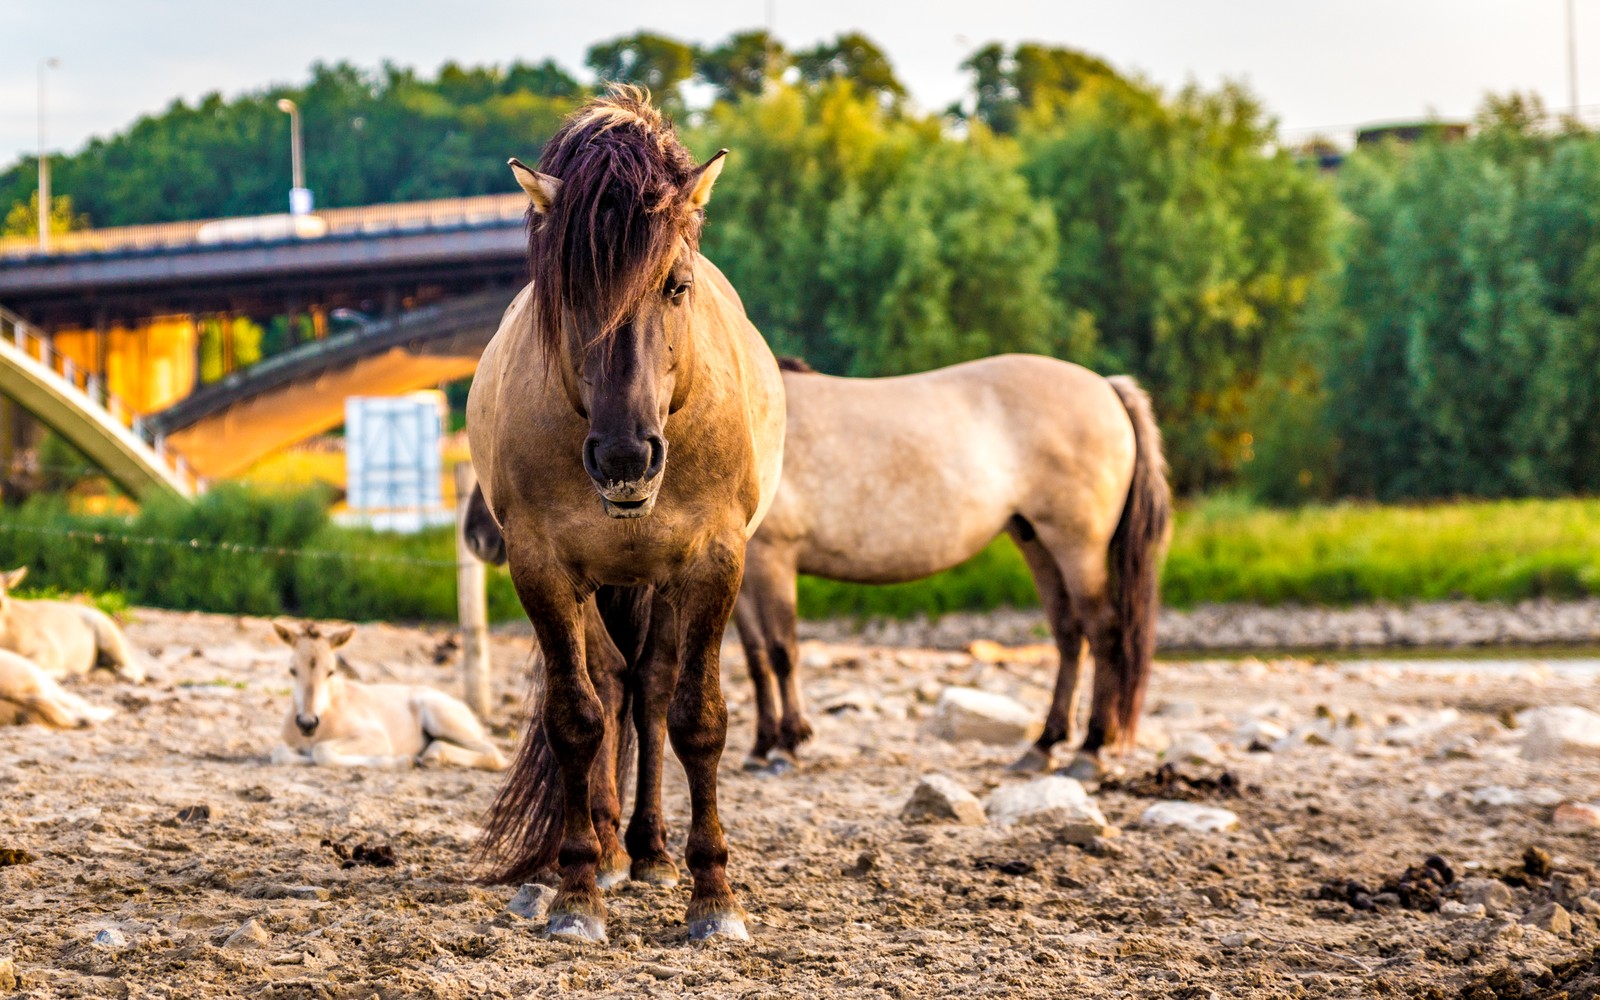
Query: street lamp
(299, 194)
(44, 160)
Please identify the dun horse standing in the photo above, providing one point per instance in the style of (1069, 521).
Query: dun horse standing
(626, 424)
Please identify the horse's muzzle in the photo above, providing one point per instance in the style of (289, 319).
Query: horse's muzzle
(307, 724)
(628, 500)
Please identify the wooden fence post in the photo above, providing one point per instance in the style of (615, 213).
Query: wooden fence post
(472, 602)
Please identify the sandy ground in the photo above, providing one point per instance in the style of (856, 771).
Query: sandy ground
(845, 898)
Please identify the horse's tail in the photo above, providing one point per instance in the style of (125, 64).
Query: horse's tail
(522, 835)
(113, 650)
(1137, 549)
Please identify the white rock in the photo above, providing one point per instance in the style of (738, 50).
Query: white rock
(110, 937)
(1051, 801)
(1177, 710)
(250, 935)
(1409, 734)
(970, 714)
(1189, 815)
(854, 700)
(1462, 911)
(1263, 731)
(1495, 795)
(531, 901)
(1559, 730)
(1544, 795)
(1194, 748)
(938, 799)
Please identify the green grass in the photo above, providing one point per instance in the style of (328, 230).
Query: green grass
(1226, 550)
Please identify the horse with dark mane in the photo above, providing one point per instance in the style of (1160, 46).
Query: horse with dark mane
(626, 424)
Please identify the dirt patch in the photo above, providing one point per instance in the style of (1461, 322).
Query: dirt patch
(845, 900)
(12, 856)
(1167, 782)
(1574, 979)
(1419, 887)
(362, 855)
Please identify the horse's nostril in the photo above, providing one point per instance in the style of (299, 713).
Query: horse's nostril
(658, 455)
(307, 723)
(591, 464)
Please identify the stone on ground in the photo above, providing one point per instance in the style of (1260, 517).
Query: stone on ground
(1194, 748)
(938, 799)
(531, 901)
(970, 714)
(1576, 816)
(1552, 917)
(249, 936)
(1559, 730)
(1053, 801)
(110, 938)
(1490, 893)
(1495, 795)
(1190, 816)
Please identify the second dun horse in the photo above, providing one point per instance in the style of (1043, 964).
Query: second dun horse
(626, 425)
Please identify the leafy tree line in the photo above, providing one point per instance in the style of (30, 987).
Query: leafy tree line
(1424, 323)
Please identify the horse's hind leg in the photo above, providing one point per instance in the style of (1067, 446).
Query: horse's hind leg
(655, 679)
(769, 591)
(747, 619)
(697, 721)
(1061, 720)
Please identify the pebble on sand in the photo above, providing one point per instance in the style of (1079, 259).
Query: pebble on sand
(1190, 816)
(249, 936)
(1576, 816)
(964, 713)
(1053, 801)
(1552, 917)
(110, 937)
(1495, 795)
(1559, 730)
(938, 799)
(1194, 748)
(531, 901)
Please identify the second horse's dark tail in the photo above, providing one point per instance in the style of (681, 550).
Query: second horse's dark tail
(522, 834)
(1137, 548)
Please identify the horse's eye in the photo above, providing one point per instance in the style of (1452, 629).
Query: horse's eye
(676, 290)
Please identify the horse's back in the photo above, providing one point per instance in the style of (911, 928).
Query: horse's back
(896, 478)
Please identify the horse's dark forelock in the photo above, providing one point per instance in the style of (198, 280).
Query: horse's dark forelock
(613, 229)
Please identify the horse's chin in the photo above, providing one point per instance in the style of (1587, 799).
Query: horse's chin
(627, 509)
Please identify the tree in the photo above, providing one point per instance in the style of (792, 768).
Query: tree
(1031, 77)
(743, 64)
(854, 57)
(23, 217)
(655, 62)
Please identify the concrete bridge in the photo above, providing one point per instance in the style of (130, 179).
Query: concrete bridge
(426, 283)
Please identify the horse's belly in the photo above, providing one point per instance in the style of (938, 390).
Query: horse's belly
(889, 545)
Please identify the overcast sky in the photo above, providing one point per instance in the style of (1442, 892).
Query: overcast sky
(1315, 65)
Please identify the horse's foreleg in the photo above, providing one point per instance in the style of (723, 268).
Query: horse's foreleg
(607, 670)
(655, 680)
(574, 723)
(697, 722)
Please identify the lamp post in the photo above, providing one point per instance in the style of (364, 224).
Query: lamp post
(44, 160)
(299, 194)
(1572, 58)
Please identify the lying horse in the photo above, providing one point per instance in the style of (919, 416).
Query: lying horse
(28, 694)
(626, 424)
(339, 721)
(888, 480)
(63, 638)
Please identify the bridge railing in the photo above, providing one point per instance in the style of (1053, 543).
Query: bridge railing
(39, 346)
(363, 220)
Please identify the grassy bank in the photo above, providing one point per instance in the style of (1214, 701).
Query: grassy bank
(1226, 550)
(250, 551)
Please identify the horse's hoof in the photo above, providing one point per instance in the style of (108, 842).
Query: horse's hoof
(661, 876)
(780, 763)
(579, 927)
(1034, 761)
(1085, 767)
(610, 878)
(726, 926)
(754, 763)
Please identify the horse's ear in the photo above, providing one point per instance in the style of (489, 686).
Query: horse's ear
(542, 188)
(16, 576)
(338, 637)
(284, 632)
(705, 177)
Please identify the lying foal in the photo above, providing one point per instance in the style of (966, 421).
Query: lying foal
(337, 721)
(28, 694)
